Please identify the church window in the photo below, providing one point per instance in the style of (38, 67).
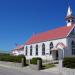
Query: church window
(51, 46)
(36, 49)
(43, 49)
(73, 48)
(26, 51)
(30, 50)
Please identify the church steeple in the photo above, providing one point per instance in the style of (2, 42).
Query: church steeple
(69, 12)
(70, 18)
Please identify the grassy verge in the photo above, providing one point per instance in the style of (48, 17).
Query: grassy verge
(46, 66)
(11, 58)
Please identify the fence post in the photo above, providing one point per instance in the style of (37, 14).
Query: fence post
(23, 61)
(39, 63)
(60, 67)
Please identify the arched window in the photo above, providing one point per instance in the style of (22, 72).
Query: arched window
(36, 49)
(26, 51)
(30, 50)
(73, 47)
(51, 46)
(43, 49)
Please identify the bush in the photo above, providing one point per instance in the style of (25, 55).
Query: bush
(10, 58)
(69, 62)
(34, 60)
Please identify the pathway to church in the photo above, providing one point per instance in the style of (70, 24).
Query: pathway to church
(7, 68)
(21, 71)
(13, 70)
(60, 70)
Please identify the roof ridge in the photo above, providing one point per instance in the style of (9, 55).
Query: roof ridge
(57, 33)
(48, 31)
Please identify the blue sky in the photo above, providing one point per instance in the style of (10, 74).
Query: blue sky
(20, 19)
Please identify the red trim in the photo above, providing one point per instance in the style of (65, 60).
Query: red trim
(61, 44)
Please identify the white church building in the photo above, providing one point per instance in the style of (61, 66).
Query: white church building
(54, 44)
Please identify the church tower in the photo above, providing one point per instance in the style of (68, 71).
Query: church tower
(69, 18)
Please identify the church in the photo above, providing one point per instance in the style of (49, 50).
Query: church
(54, 44)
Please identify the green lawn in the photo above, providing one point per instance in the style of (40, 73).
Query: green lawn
(46, 66)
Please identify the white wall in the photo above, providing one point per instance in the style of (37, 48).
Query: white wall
(47, 43)
(69, 48)
(70, 38)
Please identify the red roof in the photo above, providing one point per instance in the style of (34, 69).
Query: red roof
(57, 33)
(19, 47)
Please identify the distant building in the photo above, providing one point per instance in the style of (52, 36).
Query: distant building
(53, 44)
(19, 50)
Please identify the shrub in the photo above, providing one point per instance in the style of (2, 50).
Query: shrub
(69, 62)
(10, 58)
(34, 60)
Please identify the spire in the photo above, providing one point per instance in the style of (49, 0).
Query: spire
(70, 18)
(69, 12)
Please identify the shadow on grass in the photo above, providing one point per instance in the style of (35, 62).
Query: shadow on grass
(46, 66)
